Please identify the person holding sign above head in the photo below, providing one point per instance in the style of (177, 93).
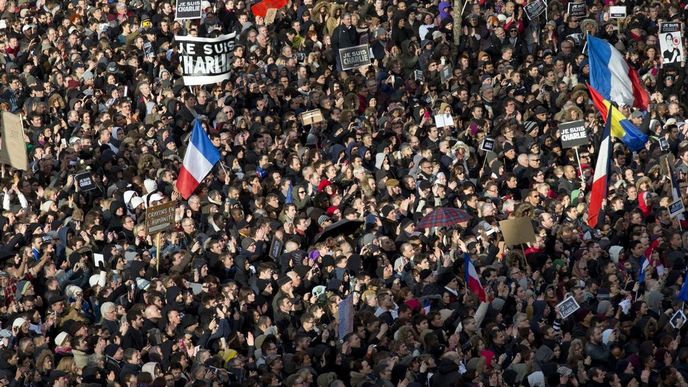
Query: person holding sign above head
(344, 36)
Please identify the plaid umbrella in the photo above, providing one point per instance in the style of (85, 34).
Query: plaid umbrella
(443, 217)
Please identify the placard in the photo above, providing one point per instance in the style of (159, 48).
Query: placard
(517, 231)
(84, 181)
(670, 43)
(487, 144)
(676, 208)
(617, 12)
(578, 10)
(311, 117)
(568, 307)
(159, 218)
(188, 9)
(270, 15)
(275, 248)
(445, 74)
(13, 147)
(99, 260)
(354, 57)
(678, 320)
(535, 9)
(419, 76)
(573, 134)
(205, 60)
(444, 120)
(148, 50)
(663, 144)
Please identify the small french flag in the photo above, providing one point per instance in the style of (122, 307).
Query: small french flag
(644, 264)
(472, 278)
(201, 155)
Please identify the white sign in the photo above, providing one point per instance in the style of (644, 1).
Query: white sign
(670, 43)
(617, 12)
(568, 307)
(443, 120)
(676, 208)
(205, 60)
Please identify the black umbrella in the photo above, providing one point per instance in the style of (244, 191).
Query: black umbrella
(342, 227)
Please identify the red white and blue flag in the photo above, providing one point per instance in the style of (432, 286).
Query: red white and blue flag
(599, 183)
(199, 160)
(472, 278)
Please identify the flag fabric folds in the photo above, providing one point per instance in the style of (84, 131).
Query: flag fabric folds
(613, 77)
(472, 278)
(621, 127)
(644, 264)
(683, 294)
(199, 159)
(600, 179)
(261, 8)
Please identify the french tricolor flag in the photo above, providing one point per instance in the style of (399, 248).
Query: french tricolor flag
(472, 278)
(199, 159)
(600, 179)
(612, 77)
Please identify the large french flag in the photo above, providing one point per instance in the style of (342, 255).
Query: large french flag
(201, 155)
(472, 278)
(613, 77)
(599, 183)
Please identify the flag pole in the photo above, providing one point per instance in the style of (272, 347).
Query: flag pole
(580, 168)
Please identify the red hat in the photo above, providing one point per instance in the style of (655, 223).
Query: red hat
(323, 183)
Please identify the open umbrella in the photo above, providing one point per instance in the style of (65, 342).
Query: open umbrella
(444, 217)
(342, 227)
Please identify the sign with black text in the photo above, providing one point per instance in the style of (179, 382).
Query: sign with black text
(276, 248)
(85, 181)
(535, 8)
(205, 60)
(568, 307)
(617, 12)
(188, 9)
(678, 320)
(573, 134)
(578, 10)
(670, 43)
(354, 57)
(487, 144)
(160, 218)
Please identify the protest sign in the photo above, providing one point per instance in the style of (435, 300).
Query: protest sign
(670, 43)
(577, 10)
(445, 74)
(85, 182)
(568, 307)
(275, 248)
(535, 8)
(573, 134)
(311, 117)
(617, 12)
(13, 148)
(188, 9)
(676, 208)
(205, 60)
(517, 231)
(678, 320)
(419, 76)
(270, 16)
(487, 144)
(444, 120)
(160, 217)
(354, 57)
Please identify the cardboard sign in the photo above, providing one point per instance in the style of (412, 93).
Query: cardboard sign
(85, 181)
(678, 320)
(159, 218)
(444, 120)
(676, 208)
(445, 74)
(13, 147)
(573, 134)
(354, 57)
(270, 16)
(577, 10)
(311, 117)
(568, 307)
(517, 231)
(487, 144)
(188, 9)
(670, 43)
(275, 248)
(617, 12)
(535, 9)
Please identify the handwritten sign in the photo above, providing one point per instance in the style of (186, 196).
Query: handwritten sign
(159, 218)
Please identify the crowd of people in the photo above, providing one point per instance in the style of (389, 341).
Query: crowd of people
(300, 260)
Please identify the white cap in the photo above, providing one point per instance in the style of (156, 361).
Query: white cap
(72, 290)
(60, 338)
(135, 202)
(151, 185)
(96, 279)
(128, 195)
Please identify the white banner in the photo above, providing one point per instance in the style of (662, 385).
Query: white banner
(205, 60)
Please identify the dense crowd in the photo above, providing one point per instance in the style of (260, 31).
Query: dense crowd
(299, 221)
